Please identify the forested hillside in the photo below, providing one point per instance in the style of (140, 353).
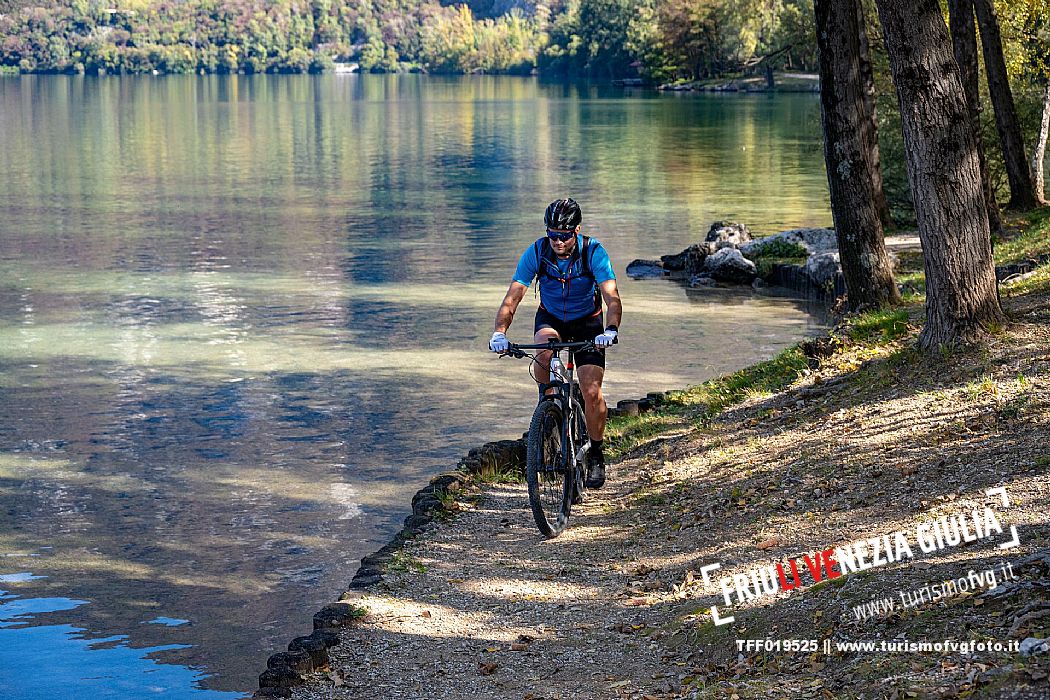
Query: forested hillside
(658, 39)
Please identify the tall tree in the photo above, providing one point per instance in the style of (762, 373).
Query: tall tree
(1039, 154)
(870, 127)
(964, 45)
(1037, 43)
(1018, 172)
(848, 125)
(944, 173)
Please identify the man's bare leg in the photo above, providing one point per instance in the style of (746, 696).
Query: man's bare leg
(594, 401)
(596, 413)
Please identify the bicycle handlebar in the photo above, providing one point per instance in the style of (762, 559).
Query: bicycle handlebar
(554, 345)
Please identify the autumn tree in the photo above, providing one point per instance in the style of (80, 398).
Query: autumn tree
(1018, 172)
(964, 46)
(944, 173)
(848, 124)
(1037, 43)
(870, 126)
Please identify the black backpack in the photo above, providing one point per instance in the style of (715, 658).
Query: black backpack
(548, 260)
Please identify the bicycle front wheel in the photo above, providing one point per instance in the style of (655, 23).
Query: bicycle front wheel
(550, 483)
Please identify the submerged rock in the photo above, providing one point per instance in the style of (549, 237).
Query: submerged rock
(702, 280)
(728, 265)
(645, 269)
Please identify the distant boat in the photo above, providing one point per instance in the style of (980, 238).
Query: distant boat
(347, 68)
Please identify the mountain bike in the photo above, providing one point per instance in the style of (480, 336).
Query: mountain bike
(558, 445)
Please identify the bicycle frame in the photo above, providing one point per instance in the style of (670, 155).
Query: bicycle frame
(564, 387)
(565, 392)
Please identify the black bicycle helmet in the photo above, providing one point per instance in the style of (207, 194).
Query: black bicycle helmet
(563, 215)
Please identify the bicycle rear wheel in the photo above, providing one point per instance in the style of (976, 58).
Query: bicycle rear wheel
(550, 483)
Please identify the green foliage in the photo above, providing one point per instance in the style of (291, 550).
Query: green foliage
(661, 39)
(777, 252)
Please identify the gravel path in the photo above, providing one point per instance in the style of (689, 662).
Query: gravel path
(487, 608)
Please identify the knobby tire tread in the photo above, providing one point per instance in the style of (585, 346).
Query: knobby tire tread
(539, 429)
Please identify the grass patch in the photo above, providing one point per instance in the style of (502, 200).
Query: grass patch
(714, 395)
(1033, 242)
(764, 265)
(625, 433)
(879, 327)
(777, 252)
(985, 386)
(779, 248)
(402, 563)
(502, 474)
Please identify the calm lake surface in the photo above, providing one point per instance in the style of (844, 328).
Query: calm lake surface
(243, 319)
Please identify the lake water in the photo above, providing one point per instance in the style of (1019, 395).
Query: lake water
(243, 319)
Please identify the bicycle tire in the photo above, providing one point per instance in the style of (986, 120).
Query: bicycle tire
(550, 484)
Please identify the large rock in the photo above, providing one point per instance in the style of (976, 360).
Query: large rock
(814, 240)
(728, 265)
(822, 268)
(689, 261)
(726, 234)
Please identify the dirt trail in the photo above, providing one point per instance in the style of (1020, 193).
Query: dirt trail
(873, 441)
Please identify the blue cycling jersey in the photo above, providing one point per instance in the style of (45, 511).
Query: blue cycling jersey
(567, 293)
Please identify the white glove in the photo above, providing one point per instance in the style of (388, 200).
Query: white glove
(498, 342)
(605, 339)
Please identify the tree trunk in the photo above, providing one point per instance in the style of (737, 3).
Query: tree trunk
(944, 173)
(964, 45)
(1022, 189)
(1039, 155)
(870, 127)
(849, 158)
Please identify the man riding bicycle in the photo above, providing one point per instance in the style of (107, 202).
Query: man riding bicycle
(575, 274)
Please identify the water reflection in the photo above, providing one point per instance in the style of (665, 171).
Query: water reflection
(242, 319)
(61, 661)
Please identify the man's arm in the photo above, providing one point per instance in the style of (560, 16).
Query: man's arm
(612, 303)
(505, 315)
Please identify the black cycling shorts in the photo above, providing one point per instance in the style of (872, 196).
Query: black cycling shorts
(577, 330)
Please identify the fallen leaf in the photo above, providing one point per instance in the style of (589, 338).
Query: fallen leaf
(619, 684)
(518, 646)
(771, 542)
(425, 613)
(487, 669)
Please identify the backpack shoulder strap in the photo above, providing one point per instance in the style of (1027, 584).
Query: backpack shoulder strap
(585, 257)
(545, 257)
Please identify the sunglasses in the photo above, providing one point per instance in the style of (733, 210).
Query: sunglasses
(562, 236)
